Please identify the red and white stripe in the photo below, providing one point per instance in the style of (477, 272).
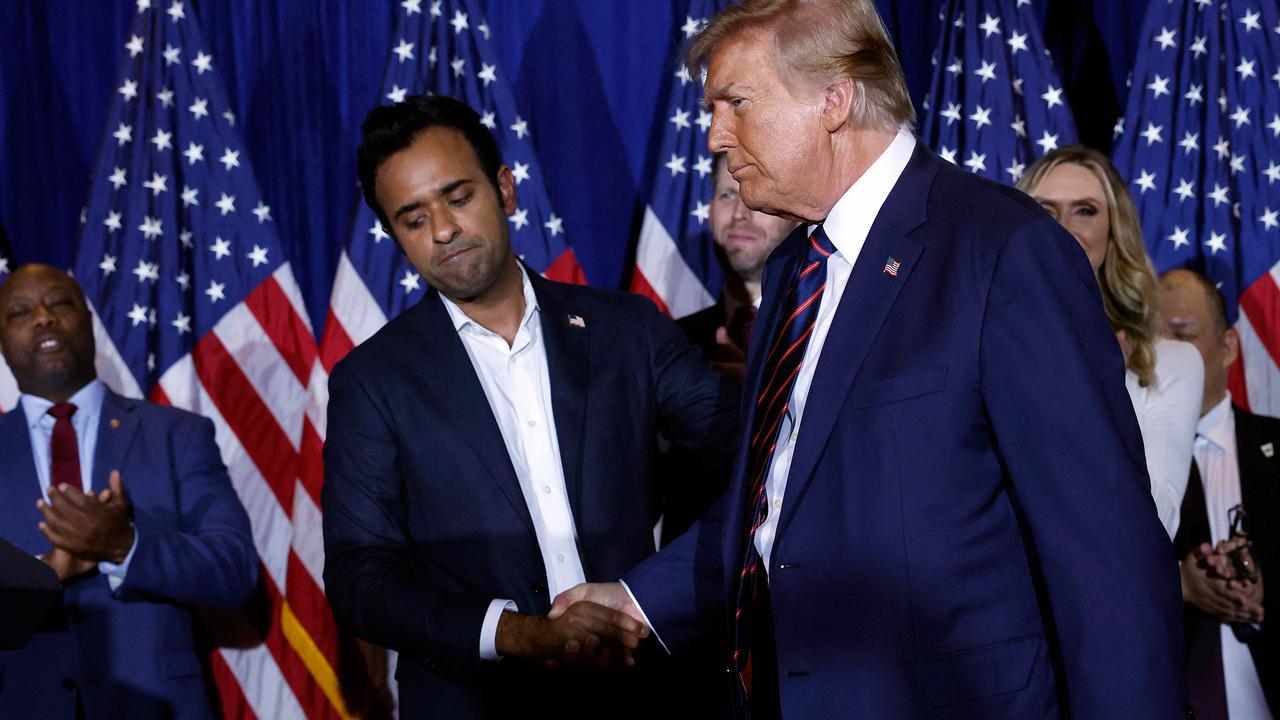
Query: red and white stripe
(8, 388)
(1255, 378)
(662, 275)
(252, 375)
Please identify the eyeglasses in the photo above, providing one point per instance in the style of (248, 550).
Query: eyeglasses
(1236, 521)
(1241, 557)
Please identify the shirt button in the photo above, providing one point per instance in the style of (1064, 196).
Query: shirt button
(532, 423)
(560, 557)
(793, 437)
(546, 489)
(777, 504)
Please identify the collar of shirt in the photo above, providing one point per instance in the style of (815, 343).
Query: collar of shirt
(88, 402)
(1218, 426)
(461, 322)
(849, 221)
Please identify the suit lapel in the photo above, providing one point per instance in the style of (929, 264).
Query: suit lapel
(117, 424)
(780, 269)
(864, 305)
(1259, 473)
(777, 279)
(451, 377)
(21, 486)
(566, 332)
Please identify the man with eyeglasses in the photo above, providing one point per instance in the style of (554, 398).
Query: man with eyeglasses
(1227, 535)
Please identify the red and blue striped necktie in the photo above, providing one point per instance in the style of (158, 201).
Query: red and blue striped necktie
(778, 376)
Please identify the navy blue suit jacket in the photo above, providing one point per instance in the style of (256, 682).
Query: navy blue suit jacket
(130, 653)
(968, 529)
(424, 519)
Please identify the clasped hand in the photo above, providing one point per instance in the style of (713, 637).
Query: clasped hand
(1210, 582)
(85, 528)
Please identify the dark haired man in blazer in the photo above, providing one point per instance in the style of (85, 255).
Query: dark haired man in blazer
(492, 446)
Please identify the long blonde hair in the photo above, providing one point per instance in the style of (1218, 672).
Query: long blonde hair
(1126, 278)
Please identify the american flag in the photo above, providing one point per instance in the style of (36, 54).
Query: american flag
(1200, 145)
(675, 265)
(8, 386)
(995, 103)
(891, 266)
(442, 48)
(197, 307)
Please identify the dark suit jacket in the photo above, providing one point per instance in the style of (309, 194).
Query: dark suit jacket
(1260, 492)
(701, 327)
(968, 528)
(425, 522)
(130, 653)
(1260, 495)
(690, 480)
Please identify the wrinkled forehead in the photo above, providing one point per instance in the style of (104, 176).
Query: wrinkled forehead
(739, 56)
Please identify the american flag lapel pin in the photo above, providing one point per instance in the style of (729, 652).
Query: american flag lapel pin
(891, 266)
(577, 321)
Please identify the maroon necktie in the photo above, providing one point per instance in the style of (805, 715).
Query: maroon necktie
(64, 451)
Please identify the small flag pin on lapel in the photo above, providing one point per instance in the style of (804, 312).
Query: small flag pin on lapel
(577, 321)
(1268, 450)
(891, 266)
(115, 423)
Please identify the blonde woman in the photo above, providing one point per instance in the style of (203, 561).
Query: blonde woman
(1082, 190)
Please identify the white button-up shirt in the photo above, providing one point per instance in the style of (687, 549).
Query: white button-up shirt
(847, 225)
(517, 385)
(1219, 465)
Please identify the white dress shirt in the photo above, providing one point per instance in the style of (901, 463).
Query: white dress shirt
(847, 226)
(1168, 411)
(88, 402)
(1219, 465)
(517, 385)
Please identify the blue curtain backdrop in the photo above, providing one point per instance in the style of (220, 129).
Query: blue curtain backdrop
(302, 74)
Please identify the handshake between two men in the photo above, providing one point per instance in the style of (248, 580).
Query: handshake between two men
(591, 626)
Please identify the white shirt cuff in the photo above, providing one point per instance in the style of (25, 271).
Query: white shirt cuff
(116, 573)
(644, 617)
(489, 628)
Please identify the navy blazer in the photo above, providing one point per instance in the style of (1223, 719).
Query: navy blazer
(1257, 439)
(424, 519)
(130, 653)
(968, 529)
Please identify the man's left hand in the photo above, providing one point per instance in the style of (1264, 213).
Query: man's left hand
(87, 525)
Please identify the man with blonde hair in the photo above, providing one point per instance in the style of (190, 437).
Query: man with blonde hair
(940, 506)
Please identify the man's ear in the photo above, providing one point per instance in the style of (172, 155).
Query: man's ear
(1231, 341)
(837, 104)
(507, 190)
